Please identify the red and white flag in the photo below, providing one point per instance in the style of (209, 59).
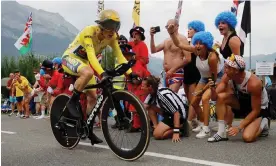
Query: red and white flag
(178, 11)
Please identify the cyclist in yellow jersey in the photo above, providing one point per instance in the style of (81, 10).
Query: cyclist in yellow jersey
(82, 52)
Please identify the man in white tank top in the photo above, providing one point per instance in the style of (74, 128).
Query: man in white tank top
(248, 99)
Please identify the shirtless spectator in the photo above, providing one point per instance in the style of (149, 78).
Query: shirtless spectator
(138, 45)
(12, 93)
(173, 56)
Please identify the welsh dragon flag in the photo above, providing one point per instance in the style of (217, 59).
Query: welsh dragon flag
(24, 43)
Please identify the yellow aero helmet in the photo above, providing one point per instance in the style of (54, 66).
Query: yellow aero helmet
(109, 20)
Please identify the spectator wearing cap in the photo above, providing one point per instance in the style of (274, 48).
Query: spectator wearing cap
(54, 86)
(243, 92)
(135, 87)
(57, 63)
(138, 45)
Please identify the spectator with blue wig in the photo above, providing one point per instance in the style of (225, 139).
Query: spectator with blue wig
(231, 44)
(191, 73)
(226, 22)
(209, 66)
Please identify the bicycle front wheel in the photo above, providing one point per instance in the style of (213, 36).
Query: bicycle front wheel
(122, 146)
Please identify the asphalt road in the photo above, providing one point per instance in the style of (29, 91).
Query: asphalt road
(31, 142)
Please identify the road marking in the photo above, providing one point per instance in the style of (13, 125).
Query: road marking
(172, 157)
(158, 155)
(8, 132)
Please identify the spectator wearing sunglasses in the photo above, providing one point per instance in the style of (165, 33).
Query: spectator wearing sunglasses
(139, 46)
(248, 99)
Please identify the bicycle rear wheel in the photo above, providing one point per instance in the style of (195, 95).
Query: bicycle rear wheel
(126, 153)
(66, 136)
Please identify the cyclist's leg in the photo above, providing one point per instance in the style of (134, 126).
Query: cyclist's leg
(91, 95)
(79, 67)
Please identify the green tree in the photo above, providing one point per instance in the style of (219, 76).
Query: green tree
(4, 66)
(25, 64)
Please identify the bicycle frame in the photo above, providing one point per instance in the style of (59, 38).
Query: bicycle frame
(101, 100)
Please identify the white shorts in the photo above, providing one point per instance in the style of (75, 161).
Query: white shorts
(37, 99)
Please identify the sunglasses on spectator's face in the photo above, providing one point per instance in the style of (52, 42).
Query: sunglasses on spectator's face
(122, 42)
(35, 73)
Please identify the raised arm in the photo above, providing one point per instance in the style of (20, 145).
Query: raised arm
(175, 38)
(153, 48)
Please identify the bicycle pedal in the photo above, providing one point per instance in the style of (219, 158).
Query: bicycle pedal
(57, 126)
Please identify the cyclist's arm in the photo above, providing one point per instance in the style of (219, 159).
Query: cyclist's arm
(88, 45)
(117, 51)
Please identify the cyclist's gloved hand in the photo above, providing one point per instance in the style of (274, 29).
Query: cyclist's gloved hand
(104, 76)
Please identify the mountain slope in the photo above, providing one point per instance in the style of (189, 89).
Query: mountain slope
(51, 32)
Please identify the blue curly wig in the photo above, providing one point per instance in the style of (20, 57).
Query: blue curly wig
(197, 25)
(228, 17)
(205, 38)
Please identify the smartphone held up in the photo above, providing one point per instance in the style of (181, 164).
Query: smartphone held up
(155, 29)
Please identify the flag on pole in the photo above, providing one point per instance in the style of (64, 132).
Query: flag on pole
(24, 43)
(136, 13)
(178, 11)
(234, 8)
(245, 22)
(100, 6)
